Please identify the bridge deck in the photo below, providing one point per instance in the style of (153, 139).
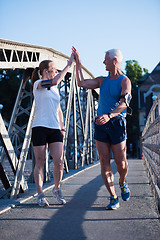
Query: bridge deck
(84, 216)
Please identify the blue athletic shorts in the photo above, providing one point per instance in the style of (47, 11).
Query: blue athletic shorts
(112, 132)
(43, 135)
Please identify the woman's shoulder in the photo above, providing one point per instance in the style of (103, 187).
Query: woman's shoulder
(35, 85)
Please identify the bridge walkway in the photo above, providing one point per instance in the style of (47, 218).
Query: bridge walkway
(84, 216)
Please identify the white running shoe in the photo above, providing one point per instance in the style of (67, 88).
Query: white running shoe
(42, 201)
(57, 194)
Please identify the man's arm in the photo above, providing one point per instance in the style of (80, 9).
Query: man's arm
(126, 88)
(85, 83)
(126, 85)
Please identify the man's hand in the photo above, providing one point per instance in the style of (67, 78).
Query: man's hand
(76, 55)
(101, 120)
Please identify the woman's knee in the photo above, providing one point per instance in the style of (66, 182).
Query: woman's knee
(58, 163)
(40, 162)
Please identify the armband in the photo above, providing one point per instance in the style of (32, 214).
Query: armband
(127, 98)
(46, 83)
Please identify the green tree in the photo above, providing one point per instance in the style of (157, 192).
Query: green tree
(134, 72)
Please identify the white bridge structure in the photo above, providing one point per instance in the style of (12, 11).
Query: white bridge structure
(78, 106)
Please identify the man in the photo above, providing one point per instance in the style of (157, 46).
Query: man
(110, 124)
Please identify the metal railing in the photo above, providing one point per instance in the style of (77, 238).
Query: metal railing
(151, 148)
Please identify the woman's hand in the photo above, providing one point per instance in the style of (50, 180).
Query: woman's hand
(70, 61)
(63, 132)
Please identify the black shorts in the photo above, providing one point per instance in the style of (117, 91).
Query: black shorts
(112, 132)
(43, 135)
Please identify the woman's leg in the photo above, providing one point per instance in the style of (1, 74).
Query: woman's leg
(56, 150)
(40, 157)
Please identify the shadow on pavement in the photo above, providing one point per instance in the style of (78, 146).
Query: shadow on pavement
(67, 222)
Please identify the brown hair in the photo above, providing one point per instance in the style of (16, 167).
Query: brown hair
(35, 74)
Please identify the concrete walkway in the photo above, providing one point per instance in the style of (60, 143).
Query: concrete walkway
(84, 216)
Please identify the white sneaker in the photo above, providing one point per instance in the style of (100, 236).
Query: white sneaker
(42, 201)
(57, 194)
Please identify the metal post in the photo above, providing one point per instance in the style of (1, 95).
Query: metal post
(91, 138)
(46, 167)
(75, 127)
(67, 119)
(86, 129)
(23, 156)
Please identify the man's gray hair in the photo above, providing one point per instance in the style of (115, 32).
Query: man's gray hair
(115, 53)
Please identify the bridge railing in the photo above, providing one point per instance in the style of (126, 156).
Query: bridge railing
(151, 148)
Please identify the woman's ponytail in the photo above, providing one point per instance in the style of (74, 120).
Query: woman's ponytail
(38, 71)
(35, 75)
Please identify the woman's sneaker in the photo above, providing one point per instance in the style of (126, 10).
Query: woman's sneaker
(57, 194)
(114, 203)
(125, 192)
(42, 201)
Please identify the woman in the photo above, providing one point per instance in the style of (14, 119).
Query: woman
(48, 126)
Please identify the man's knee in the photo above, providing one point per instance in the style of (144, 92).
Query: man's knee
(122, 165)
(105, 165)
(104, 158)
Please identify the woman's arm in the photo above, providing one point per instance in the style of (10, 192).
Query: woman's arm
(58, 78)
(61, 120)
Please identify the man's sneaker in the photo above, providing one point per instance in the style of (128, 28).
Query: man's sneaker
(42, 201)
(114, 203)
(57, 194)
(125, 192)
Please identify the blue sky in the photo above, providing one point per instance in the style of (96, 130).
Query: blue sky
(92, 26)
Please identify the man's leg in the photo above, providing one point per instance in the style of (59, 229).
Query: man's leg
(119, 152)
(107, 174)
(106, 171)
